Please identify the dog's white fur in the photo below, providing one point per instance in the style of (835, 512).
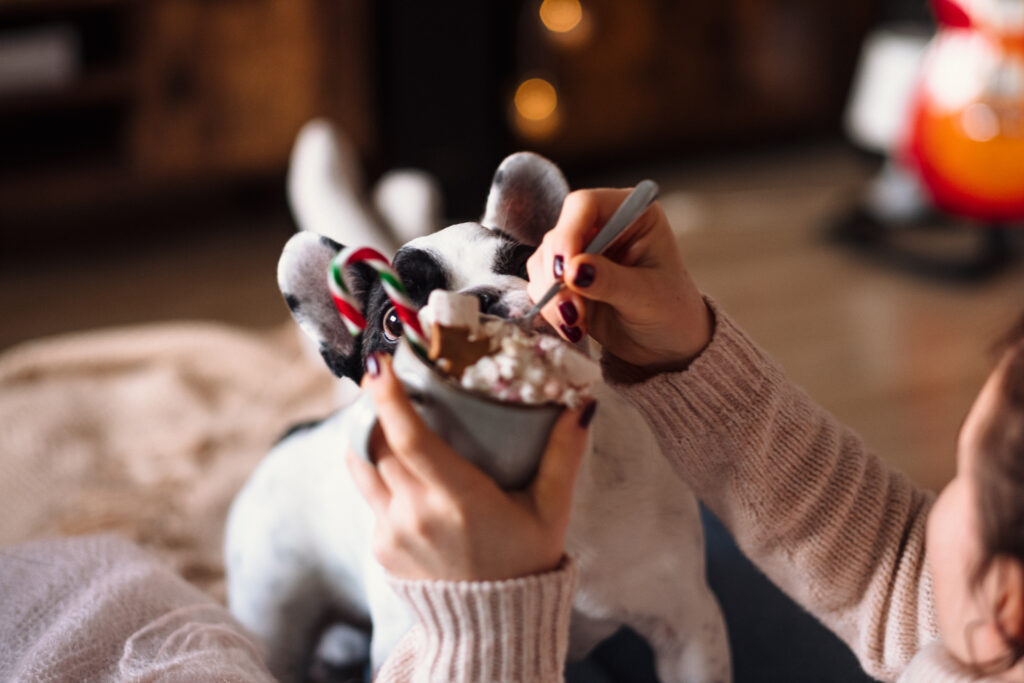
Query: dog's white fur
(299, 537)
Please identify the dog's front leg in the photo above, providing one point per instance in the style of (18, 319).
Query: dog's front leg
(274, 588)
(391, 618)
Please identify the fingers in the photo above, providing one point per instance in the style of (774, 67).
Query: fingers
(566, 310)
(601, 279)
(416, 448)
(584, 212)
(369, 483)
(566, 313)
(381, 482)
(551, 489)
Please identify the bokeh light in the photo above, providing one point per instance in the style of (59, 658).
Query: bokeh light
(561, 16)
(980, 122)
(536, 99)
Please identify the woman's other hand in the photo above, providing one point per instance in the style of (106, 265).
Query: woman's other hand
(440, 517)
(637, 299)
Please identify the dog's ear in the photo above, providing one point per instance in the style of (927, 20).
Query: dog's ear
(526, 197)
(302, 276)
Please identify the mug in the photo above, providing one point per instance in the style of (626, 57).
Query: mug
(505, 440)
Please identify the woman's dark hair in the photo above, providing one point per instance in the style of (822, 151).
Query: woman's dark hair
(999, 469)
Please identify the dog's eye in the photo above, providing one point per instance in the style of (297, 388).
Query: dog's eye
(523, 254)
(392, 325)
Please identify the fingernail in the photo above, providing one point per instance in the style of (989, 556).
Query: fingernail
(573, 334)
(569, 313)
(588, 414)
(559, 266)
(584, 276)
(372, 365)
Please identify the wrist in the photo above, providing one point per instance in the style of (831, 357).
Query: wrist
(505, 569)
(642, 364)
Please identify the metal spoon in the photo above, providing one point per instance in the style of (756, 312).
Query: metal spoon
(645, 192)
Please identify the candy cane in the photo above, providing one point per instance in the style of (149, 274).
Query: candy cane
(341, 292)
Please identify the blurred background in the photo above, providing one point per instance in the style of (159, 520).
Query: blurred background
(144, 146)
(863, 227)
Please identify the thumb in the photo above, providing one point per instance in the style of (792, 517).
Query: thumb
(551, 489)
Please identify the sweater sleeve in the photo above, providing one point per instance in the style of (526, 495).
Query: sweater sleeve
(934, 664)
(823, 517)
(99, 608)
(512, 631)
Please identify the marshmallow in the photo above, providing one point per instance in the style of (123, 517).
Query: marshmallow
(451, 309)
(531, 368)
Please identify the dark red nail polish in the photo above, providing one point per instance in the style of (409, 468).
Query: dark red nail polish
(573, 334)
(559, 266)
(588, 414)
(584, 276)
(372, 365)
(569, 313)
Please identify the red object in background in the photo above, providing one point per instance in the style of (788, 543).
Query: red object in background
(949, 13)
(966, 132)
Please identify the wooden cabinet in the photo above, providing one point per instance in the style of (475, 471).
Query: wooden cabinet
(168, 93)
(650, 78)
(223, 86)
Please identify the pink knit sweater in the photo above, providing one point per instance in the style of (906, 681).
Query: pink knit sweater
(515, 631)
(818, 513)
(823, 517)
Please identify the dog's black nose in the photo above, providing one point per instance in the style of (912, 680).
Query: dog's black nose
(489, 299)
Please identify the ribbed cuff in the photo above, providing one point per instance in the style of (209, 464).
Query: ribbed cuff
(512, 630)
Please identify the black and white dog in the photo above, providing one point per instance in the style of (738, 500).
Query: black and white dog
(298, 546)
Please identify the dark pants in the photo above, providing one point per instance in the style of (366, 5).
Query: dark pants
(772, 638)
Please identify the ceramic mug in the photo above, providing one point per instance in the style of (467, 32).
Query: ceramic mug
(505, 440)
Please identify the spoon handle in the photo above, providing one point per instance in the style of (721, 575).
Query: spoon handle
(645, 192)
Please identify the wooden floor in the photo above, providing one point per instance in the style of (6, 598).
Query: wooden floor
(897, 357)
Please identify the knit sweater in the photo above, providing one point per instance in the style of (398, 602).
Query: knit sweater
(98, 608)
(514, 631)
(821, 515)
(818, 513)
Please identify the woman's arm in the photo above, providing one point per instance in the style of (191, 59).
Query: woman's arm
(822, 516)
(483, 571)
(819, 514)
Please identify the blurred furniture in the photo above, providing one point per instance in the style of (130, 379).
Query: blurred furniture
(165, 93)
(649, 75)
(598, 84)
(169, 93)
(951, 192)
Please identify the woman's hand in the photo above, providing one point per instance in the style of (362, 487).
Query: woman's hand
(636, 299)
(439, 517)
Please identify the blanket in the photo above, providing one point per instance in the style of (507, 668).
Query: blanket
(98, 608)
(148, 432)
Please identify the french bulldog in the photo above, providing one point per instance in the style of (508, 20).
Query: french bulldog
(298, 539)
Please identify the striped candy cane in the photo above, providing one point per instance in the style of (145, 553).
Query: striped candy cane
(348, 306)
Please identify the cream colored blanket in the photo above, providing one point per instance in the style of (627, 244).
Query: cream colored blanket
(147, 432)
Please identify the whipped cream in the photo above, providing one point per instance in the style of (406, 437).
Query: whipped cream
(521, 366)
